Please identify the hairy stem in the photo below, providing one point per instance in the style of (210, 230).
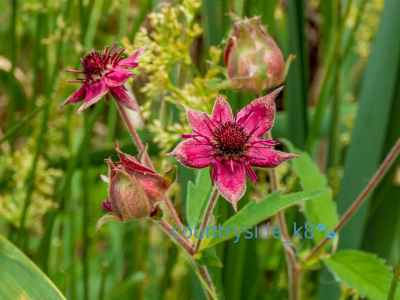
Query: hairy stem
(201, 271)
(212, 201)
(369, 188)
(147, 160)
(294, 272)
(172, 233)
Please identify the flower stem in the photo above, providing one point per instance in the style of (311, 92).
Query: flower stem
(202, 271)
(212, 201)
(294, 271)
(147, 160)
(394, 284)
(370, 187)
(172, 233)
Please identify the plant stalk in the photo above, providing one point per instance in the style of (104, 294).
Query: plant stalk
(202, 271)
(212, 201)
(172, 233)
(369, 188)
(294, 271)
(147, 160)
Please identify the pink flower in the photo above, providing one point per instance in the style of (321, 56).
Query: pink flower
(232, 145)
(105, 72)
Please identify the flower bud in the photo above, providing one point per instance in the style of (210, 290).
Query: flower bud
(134, 190)
(253, 59)
(127, 197)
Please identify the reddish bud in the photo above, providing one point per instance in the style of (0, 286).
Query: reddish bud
(253, 59)
(134, 190)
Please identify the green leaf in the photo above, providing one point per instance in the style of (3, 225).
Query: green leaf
(20, 278)
(254, 213)
(321, 210)
(365, 272)
(197, 196)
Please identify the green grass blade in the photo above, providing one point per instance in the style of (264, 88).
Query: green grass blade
(297, 81)
(385, 204)
(368, 137)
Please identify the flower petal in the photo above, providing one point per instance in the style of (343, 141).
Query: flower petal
(230, 178)
(201, 123)
(267, 157)
(131, 164)
(77, 96)
(194, 153)
(121, 94)
(133, 60)
(153, 183)
(258, 116)
(94, 92)
(117, 77)
(222, 111)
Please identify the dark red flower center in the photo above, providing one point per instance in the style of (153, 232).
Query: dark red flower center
(96, 63)
(230, 139)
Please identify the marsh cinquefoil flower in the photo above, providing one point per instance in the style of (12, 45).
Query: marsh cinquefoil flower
(232, 145)
(134, 190)
(105, 72)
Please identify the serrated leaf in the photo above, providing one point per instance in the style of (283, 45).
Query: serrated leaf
(321, 210)
(20, 278)
(365, 272)
(197, 196)
(254, 213)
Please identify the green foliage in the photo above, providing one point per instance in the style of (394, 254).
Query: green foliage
(197, 196)
(368, 136)
(365, 272)
(253, 213)
(321, 210)
(21, 279)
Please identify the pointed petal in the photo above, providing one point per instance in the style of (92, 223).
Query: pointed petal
(194, 153)
(94, 92)
(258, 116)
(222, 111)
(230, 178)
(117, 77)
(133, 60)
(131, 164)
(267, 157)
(153, 183)
(200, 123)
(77, 96)
(122, 96)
